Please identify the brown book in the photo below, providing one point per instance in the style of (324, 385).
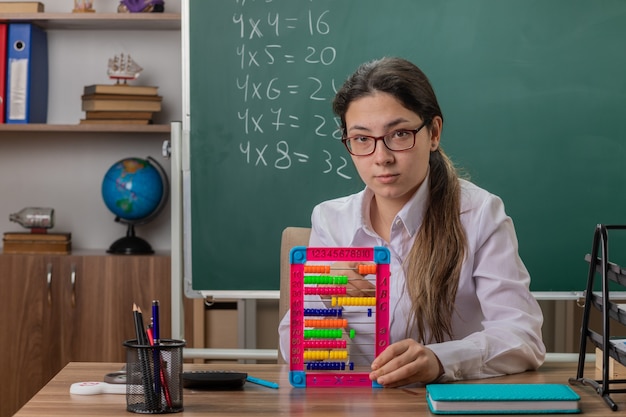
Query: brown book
(37, 247)
(60, 243)
(115, 121)
(129, 97)
(40, 237)
(144, 115)
(120, 105)
(21, 7)
(121, 89)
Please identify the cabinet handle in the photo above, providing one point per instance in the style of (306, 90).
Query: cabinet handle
(49, 283)
(73, 281)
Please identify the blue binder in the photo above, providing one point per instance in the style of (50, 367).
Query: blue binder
(3, 66)
(27, 74)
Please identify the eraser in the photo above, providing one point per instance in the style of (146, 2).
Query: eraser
(93, 388)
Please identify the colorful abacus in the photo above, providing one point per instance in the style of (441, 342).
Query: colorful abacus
(320, 337)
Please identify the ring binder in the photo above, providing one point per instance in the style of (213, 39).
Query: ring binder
(27, 74)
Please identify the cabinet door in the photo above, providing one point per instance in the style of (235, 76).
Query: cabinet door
(64, 272)
(30, 309)
(106, 289)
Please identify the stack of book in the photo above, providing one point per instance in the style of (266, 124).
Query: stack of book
(120, 103)
(57, 243)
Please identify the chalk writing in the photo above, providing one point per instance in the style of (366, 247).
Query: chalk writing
(281, 115)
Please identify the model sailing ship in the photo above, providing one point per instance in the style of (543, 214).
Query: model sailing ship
(123, 68)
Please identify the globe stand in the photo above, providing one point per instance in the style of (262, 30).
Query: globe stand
(128, 183)
(130, 244)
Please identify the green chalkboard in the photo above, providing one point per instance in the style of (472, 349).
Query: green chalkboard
(533, 95)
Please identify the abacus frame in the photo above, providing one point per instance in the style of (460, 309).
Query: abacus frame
(298, 256)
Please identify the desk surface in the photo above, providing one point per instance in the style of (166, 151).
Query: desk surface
(55, 400)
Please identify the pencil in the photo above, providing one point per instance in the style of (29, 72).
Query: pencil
(144, 361)
(262, 382)
(138, 324)
(141, 337)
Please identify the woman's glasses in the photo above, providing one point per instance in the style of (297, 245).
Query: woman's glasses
(398, 140)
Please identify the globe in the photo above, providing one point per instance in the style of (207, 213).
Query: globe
(135, 191)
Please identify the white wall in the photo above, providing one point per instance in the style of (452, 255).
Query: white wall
(65, 171)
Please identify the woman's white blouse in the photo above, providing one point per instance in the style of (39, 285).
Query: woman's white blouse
(497, 322)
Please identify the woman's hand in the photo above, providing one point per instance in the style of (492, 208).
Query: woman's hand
(405, 362)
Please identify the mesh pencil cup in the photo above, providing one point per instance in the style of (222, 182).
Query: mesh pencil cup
(154, 377)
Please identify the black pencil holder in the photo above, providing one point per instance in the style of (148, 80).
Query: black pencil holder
(154, 382)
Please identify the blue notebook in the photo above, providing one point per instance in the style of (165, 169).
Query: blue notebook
(501, 398)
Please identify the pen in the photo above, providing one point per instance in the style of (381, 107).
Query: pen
(156, 341)
(262, 382)
(155, 322)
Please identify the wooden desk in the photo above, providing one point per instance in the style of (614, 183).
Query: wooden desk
(55, 400)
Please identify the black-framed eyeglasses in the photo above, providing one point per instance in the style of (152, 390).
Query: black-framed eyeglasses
(398, 140)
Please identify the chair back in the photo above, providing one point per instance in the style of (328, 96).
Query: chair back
(292, 236)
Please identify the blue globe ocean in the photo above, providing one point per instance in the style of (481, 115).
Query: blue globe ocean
(132, 189)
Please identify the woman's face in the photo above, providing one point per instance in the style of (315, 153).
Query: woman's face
(394, 176)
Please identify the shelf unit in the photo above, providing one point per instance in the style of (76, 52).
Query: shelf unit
(93, 21)
(84, 128)
(63, 141)
(57, 294)
(610, 272)
(98, 21)
(78, 128)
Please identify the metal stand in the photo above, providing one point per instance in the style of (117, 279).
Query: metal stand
(608, 309)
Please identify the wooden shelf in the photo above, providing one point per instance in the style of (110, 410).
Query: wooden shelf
(98, 21)
(84, 128)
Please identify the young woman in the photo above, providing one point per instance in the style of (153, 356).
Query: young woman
(460, 301)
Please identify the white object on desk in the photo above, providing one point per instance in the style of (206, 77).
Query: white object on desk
(93, 388)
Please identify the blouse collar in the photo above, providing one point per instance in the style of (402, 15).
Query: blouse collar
(411, 215)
